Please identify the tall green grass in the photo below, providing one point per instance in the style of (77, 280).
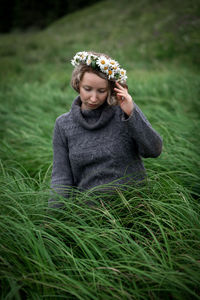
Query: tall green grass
(141, 243)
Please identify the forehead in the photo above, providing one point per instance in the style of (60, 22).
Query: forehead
(94, 80)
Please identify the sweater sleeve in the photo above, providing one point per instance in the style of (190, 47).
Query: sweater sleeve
(149, 142)
(62, 178)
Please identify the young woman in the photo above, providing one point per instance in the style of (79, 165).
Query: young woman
(101, 140)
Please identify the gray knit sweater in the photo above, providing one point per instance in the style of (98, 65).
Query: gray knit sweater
(101, 146)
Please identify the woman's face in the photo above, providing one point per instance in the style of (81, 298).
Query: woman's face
(93, 91)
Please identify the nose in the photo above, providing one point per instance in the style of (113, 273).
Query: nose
(93, 97)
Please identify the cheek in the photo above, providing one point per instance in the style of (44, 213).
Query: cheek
(104, 96)
(83, 94)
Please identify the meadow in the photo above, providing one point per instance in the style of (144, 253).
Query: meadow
(142, 243)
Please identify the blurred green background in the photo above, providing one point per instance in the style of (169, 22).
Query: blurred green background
(157, 42)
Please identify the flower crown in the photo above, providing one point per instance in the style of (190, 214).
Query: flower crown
(108, 66)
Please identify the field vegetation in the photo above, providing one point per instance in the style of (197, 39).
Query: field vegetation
(142, 243)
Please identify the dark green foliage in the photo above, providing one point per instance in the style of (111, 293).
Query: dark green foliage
(24, 14)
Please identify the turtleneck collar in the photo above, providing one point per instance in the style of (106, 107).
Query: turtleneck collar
(91, 119)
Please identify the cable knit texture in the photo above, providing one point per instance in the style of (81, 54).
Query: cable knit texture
(98, 147)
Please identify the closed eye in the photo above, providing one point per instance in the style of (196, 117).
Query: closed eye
(87, 88)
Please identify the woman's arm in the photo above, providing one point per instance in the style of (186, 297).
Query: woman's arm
(62, 178)
(148, 140)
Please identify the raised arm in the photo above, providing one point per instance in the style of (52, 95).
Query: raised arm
(148, 140)
(62, 178)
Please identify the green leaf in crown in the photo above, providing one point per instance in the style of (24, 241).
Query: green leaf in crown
(93, 64)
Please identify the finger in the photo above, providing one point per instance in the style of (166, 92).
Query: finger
(121, 95)
(120, 91)
(121, 99)
(117, 90)
(119, 86)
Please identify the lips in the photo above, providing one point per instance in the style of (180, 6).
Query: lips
(92, 105)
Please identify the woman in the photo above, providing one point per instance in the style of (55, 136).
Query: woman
(101, 140)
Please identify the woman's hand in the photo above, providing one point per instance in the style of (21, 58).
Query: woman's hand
(124, 99)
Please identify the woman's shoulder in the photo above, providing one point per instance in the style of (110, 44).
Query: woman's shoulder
(63, 122)
(67, 116)
(63, 119)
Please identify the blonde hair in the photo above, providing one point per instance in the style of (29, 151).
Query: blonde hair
(81, 69)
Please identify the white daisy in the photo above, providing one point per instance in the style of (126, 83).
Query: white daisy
(111, 74)
(122, 72)
(123, 76)
(117, 70)
(89, 60)
(102, 62)
(73, 62)
(93, 56)
(113, 63)
(105, 69)
(123, 79)
(76, 60)
(82, 55)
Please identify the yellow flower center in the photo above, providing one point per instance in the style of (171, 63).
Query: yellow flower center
(103, 62)
(105, 68)
(122, 72)
(110, 72)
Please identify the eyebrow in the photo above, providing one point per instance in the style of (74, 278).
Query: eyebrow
(101, 88)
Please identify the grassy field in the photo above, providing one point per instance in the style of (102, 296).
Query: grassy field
(143, 243)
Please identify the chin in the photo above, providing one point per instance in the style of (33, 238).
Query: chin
(93, 106)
